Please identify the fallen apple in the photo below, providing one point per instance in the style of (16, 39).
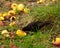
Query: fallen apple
(57, 44)
(12, 37)
(21, 7)
(7, 17)
(12, 33)
(40, 1)
(12, 12)
(14, 46)
(2, 18)
(2, 23)
(13, 18)
(6, 35)
(11, 45)
(2, 46)
(26, 10)
(1, 14)
(14, 6)
(21, 33)
(58, 40)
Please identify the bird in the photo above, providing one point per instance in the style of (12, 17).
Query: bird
(35, 25)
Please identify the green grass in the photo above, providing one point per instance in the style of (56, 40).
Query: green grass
(31, 41)
(44, 12)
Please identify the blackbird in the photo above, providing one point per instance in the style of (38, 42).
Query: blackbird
(36, 25)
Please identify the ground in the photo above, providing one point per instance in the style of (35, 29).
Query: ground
(46, 11)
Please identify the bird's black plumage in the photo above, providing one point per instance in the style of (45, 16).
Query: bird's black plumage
(34, 26)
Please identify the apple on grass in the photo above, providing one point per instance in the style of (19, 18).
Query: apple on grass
(2, 23)
(57, 44)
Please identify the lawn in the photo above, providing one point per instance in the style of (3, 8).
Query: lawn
(13, 19)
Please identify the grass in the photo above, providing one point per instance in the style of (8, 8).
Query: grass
(42, 38)
(44, 12)
(37, 40)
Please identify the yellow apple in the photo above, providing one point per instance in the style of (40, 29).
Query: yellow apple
(12, 24)
(20, 33)
(21, 7)
(58, 40)
(14, 6)
(1, 18)
(6, 35)
(26, 10)
(12, 12)
(4, 32)
(12, 18)
(40, 1)
(53, 0)
(6, 14)
(1, 14)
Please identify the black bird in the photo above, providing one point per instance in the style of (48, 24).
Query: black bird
(34, 26)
